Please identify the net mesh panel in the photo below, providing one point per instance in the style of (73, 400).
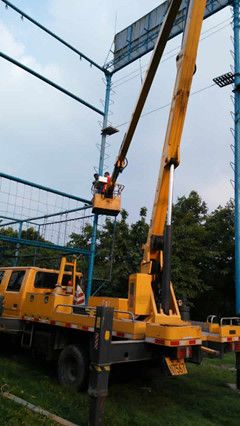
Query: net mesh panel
(21, 202)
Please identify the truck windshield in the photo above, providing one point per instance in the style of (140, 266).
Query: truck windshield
(49, 280)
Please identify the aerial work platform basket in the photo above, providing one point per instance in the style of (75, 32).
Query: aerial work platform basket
(108, 205)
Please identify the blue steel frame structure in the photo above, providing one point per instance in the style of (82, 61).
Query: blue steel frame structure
(8, 221)
(211, 4)
(236, 31)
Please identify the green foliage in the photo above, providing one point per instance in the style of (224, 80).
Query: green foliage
(84, 241)
(45, 257)
(203, 256)
(188, 249)
(118, 252)
(218, 270)
(6, 249)
(120, 257)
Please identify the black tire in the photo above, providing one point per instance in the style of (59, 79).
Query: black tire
(73, 367)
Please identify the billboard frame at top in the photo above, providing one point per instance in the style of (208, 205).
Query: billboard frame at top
(139, 38)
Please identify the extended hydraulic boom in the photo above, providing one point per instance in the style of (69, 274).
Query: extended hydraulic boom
(157, 250)
(156, 258)
(109, 202)
(146, 86)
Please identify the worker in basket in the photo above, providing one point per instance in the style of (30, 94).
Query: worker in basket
(96, 185)
(106, 175)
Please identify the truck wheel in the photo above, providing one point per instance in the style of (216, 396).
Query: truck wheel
(73, 367)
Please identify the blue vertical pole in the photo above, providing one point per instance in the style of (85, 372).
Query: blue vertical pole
(36, 249)
(100, 171)
(236, 29)
(105, 122)
(15, 262)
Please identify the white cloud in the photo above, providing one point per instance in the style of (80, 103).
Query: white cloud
(9, 44)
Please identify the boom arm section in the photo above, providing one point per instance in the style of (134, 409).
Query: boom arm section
(156, 57)
(170, 155)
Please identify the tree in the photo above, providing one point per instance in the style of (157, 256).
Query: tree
(83, 241)
(218, 271)
(188, 247)
(6, 249)
(118, 252)
(118, 259)
(26, 254)
(138, 237)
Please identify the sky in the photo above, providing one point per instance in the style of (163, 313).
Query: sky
(51, 139)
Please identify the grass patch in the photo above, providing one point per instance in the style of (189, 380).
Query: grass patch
(201, 398)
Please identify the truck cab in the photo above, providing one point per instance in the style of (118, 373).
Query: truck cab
(20, 286)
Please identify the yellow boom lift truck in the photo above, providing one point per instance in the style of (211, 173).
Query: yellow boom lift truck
(146, 325)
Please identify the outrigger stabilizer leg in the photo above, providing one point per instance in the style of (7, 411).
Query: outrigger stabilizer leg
(237, 356)
(167, 248)
(100, 346)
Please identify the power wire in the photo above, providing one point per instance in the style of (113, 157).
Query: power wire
(166, 105)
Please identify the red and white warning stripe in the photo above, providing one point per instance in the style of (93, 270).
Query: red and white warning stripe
(124, 335)
(230, 339)
(79, 296)
(167, 342)
(58, 323)
(74, 326)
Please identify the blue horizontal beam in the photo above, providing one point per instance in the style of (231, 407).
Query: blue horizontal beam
(44, 188)
(40, 244)
(50, 82)
(67, 220)
(46, 216)
(52, 34)
(13, 221)
(10, 218)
